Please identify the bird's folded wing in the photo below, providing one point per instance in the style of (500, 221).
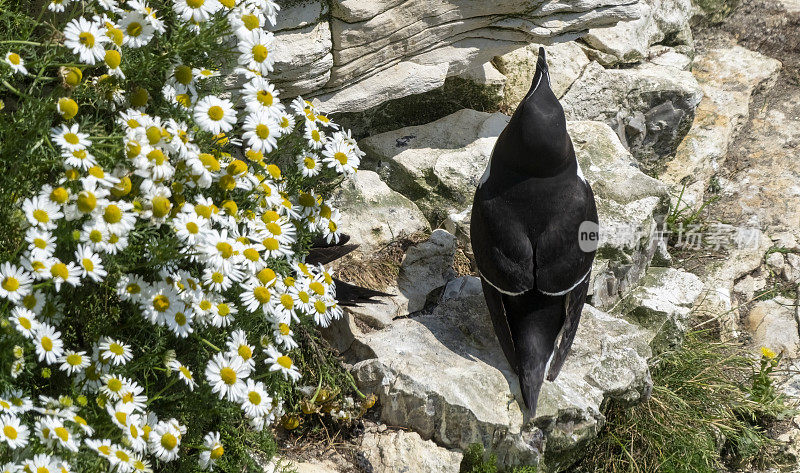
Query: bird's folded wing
(573, 305)
(494, 301)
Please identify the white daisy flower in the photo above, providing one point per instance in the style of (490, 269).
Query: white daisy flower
(118, 216)
(314, 136)
(165, 440)
(227, 375)
(261, 131)
(131, 287)
(138, 29)
(256, 402)
(286, 123)
(214, 114)
(58, 6)
(16, 62)
(85, 39)
(24, 321)
(41, 213)
(181, 322)
(340, 156)
(90, 263)
(184, 373)
(282, 363)
(237, 346)
(223, 314)
(13, 432)
(309, 164)
(49, 346)
(68, 138)
(79, 159)
(61, 435)
(116, 351)
(212, 451)
(61, 273)
(196, 11)
(74, 361)
(259, 95)
(255, 295)
(284, 336)
(160, 303)
(15, 282)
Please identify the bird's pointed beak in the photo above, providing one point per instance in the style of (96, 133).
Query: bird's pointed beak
(542, 73)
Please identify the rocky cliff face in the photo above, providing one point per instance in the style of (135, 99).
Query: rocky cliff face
(352, 55)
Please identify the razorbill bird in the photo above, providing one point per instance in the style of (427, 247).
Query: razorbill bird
(534, 235)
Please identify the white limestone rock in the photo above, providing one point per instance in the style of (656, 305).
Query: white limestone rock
(661, 304)
(373, 214)
(651, 107)
(443, 375)
(772, 324)
(729, 77)
(400, 451)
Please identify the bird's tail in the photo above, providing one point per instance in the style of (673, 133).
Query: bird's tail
(535, 324)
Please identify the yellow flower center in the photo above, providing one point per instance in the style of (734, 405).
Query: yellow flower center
(341, 157)
(271, 244)
(25, 322)
(262, 294)
(29, 301)
(183, 74)
(68, 108)
(205, 305)
(262, 131)
(303, 296)
(41, 216)
(86, 202)
(10, 284)
(306, 200)
(216, 113)
(116, 35)
(161, 303)
(237, 167)
(158, 156)
(95, 236)
(285, 329)
(114, 385)
(169, 441)
(223, 310)
(74, 359)
(309, 163)
(59, 195)
(225, 249)
(320, 307)
(10, 432)
(250, 21)
(192, 228)
(47, 343)
(254, 397)
(245, 352)
(317, 287)
(122, 455)
(71, 138)
(112, 58)
(315, 135)
(61, 433)
(265, 98)
(227, 375)
(59, 270)
(116, 349)
(180, 319)
(260, 53)
(266, 276)
(112, 214)
(134, 29)
(227, 182)
(14, 59)
(217, 452)
(285, 361)
(251, 254)
(274, 228)
(87, 264)
(287, 301)
(86, 39)
(161, 206)
(185, 372)
(153, 134)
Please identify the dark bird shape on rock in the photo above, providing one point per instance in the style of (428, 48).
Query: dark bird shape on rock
(348, 295)
(534, 236)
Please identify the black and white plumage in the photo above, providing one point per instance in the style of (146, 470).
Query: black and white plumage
(526, 215)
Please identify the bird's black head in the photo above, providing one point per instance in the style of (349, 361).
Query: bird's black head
(536, 137)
